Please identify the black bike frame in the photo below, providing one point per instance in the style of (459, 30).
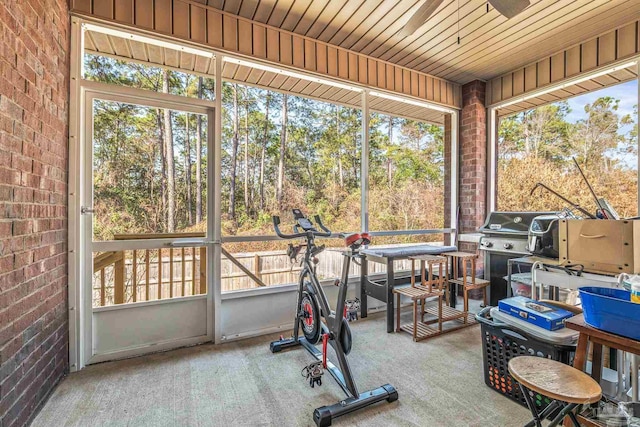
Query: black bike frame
(333, 322)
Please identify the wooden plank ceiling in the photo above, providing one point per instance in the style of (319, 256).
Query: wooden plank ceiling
(490, 44)
(121, 48)
(597, 83)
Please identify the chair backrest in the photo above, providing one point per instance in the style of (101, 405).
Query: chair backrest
(428, 278)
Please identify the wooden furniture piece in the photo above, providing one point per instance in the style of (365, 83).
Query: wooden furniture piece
(382, 290)
(468, 279)
(430, 286)
(598, 339)
(569, 387)
(418, 329)
(428, 265)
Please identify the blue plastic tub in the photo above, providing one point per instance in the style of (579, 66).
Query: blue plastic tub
(611, 310)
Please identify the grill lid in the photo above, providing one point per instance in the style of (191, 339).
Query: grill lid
(511, 223)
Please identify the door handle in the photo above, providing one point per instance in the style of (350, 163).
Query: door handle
(595, 236)
(86, 210)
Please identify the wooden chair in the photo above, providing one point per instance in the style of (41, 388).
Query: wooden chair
(468, 279)
(429, 287)
(569, 387)
(429, 264)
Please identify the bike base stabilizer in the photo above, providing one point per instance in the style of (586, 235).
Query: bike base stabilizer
(283, 344)
(325, 414)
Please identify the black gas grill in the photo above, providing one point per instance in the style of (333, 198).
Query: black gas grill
(504, 236)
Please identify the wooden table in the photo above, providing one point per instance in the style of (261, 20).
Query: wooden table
(598, 339)
(382, 290)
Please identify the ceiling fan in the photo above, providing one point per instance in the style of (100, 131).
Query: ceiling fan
(508, 8)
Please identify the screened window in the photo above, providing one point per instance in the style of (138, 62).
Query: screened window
(406, 176)
(539, 145)
(279, 152)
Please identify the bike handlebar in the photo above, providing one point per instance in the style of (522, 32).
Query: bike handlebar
(326, 233)
(318, 221)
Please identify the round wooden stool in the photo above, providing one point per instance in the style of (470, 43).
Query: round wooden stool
(568, 387)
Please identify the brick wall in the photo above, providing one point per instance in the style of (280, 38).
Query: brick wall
(473, 157)
(473, 166)
(447, 176)
(472, 151)
(34, 74)
(472, 161)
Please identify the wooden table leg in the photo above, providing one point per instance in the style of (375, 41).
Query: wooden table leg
(581, 352)
(465, 291)
(596, 362)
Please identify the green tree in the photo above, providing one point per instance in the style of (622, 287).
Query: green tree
(594, 135)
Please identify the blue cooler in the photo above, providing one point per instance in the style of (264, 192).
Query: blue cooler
(611, 310)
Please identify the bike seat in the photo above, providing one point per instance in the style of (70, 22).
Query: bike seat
(355, 240)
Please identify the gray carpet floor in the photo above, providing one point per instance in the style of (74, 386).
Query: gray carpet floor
(439, 381)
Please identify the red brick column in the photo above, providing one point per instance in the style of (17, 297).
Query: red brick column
(34, 95)
(447, 176)
(473, 157)
(473, 169)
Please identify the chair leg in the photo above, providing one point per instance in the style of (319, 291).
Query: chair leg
(447, 285)
(466, 303)
(484, 296)
(440, 313)
(422, 304)
(574, 419)
(415, 320)
(413, 273)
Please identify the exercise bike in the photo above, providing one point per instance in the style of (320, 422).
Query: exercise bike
(321, 324)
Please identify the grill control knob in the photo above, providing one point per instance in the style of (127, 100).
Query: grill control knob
(508, 246)
(487, 244)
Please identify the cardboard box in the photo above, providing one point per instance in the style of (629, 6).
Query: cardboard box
(601, 246)
(535, 312)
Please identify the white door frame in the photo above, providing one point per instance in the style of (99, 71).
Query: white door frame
(89, 91)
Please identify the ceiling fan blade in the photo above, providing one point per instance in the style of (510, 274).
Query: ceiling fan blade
(421, 16)
(509, 8)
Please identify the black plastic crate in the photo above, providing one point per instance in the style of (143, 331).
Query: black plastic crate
(501, 343)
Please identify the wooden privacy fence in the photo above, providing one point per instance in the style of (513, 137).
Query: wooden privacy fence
(148, 274)
(152, 274)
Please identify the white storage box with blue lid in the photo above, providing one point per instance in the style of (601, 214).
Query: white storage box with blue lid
(564, 336)
(538, 313)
